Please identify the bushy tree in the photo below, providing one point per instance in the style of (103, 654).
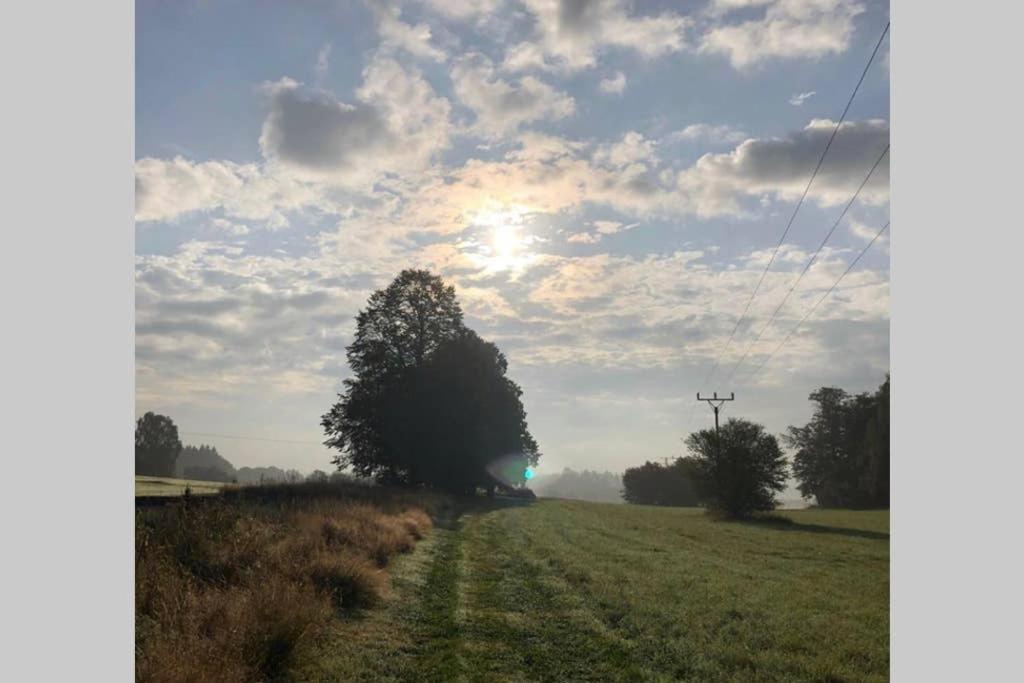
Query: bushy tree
(452, 417)
(156, 445)
(430, 403)
(652, 483)
(740, 470)
(399, 328)
(842, 454)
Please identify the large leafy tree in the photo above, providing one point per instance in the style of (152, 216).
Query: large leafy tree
(156, 445)
(842, 454)
(400, 326)
(454, 420)
(741, 467)
(430, 402)
(822, 465)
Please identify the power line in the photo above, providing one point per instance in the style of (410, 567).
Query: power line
(253, 438)
(816, 304)
(785, 232)
(807, 266)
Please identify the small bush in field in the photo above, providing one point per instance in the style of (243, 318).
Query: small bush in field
(350, 581)
(361, 527)
(285, 616)
(417, 523)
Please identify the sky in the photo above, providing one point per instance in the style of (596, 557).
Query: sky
(603, 183)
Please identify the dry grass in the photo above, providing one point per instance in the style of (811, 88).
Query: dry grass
(239, 589)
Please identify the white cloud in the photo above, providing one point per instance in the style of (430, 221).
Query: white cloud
(534, 146)
(397, 124)
(212, 321)
(549, 175)
(602, 228)
(788, 29)
(615, 85)
(624, 311)
(396, 34)
(571, 33)
(166, 188)
(781, 167)
(501, 106)
(584, 238)
(865, 231)
(229, 227)
(799, 99)
(633, 148)
(524, 56)
(464, 9)
(708, 133)
(315, 147)
(612, 227)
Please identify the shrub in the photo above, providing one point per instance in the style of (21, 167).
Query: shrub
(417, 522)
(349, 580)
(362, 527)
(237, 589)
(741, 468)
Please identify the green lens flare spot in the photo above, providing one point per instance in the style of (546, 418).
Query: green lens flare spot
(528, 473)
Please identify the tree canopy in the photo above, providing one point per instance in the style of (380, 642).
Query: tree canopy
(430, 403)
(842, 454)
(204, 463)
(156, 445)
(740, 470)
(654, 483)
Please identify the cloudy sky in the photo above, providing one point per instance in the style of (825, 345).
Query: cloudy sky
(603, 182)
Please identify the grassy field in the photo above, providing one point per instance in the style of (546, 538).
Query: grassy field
(565, 590)
(168, 486)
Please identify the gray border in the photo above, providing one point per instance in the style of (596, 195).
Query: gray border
(955, 342)
(67, 368)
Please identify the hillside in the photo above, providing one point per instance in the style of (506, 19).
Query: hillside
(566, 590)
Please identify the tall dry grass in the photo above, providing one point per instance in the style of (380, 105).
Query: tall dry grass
(240, 588)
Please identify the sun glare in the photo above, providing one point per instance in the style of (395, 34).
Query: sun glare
(506, 242)
(502, 241)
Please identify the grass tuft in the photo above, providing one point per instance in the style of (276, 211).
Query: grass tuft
(240, 588)
(350, 581)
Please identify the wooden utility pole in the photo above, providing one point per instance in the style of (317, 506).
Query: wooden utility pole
(716, 403)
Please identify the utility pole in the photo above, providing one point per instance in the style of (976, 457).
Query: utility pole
(716, 403)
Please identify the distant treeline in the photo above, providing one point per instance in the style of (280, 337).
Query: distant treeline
(206, 464)
(599, 487)
(159, 453)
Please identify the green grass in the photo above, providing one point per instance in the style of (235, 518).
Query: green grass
(566, 590)
(168, 486)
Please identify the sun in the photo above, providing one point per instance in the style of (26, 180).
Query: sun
(502, 240)
(506, 243)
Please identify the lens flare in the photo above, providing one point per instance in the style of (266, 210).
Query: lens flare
(511, 470)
